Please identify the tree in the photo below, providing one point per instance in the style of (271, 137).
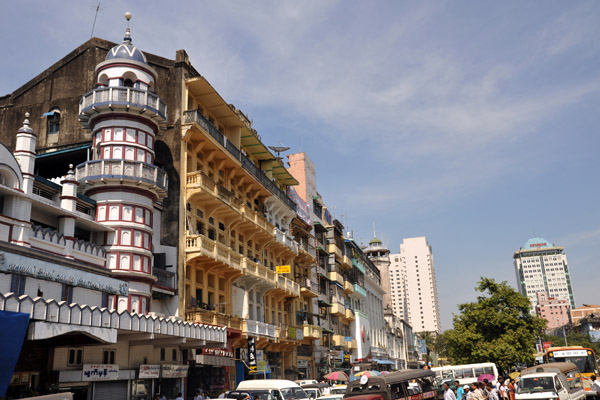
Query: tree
(496, 328)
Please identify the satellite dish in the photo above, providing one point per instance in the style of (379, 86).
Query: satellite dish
(279, 149)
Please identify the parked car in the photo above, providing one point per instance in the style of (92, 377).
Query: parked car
(560, 381)
(338, 389)
(315, 390)
(272, 389)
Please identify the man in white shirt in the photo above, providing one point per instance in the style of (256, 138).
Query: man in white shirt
(448, 394)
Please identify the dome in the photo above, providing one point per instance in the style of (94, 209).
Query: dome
(375, 241)
(126, 51)
(537, 243)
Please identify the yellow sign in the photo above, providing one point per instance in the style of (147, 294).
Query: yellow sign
(284, 269)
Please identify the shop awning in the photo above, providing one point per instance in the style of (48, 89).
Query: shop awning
(215, 361)
(383, 362)
(323, 303)
(325, 330)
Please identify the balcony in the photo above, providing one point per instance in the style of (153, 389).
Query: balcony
(199, 180)
(336, 277)
(165, 279)
(350, 315)
(338, 309)
(359, 292)
(348, 287)
(213, 318)
(256, 270)
(290, 332)
(342, 341)
(359, 265)
(332, 248)
(291, 287)
(287, 241)
(312, 332)
(123, 99)
(137, 173)
(259, 328)
(308, 248)
(346, 261)
(308, 288)
(195, 116)
(200, 244)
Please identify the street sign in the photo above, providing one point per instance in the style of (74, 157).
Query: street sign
(284, 269)
(252, 365)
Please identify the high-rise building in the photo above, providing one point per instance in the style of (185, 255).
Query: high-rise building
(413, 285)
(540, 266)
(556, 311)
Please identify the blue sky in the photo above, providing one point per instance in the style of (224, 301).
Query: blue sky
(472, 123)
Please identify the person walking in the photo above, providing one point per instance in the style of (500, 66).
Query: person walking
(476, 393)
(460, 392)
(595, 386)
(448, 394)
(467, 390)
(492, 392)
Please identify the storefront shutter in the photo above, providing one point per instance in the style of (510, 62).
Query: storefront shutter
(116, 390)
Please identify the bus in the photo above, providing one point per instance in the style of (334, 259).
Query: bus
(583, 357)
(467, 373)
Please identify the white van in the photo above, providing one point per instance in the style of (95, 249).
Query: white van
(559, 381)
(272, 389)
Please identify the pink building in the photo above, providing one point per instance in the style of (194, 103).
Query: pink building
(556, 311)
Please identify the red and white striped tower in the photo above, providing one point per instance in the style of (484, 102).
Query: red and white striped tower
(124, 115)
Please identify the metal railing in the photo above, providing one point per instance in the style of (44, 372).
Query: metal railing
(165, 278)
(123, 95)
(128, 169)
(197, 117)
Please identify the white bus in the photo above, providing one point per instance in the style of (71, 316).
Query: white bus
(467, 373)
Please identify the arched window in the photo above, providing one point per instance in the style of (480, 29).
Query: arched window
(53, 121)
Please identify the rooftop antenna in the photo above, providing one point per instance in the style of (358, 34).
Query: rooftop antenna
(279, 149)
(98, 8)
(374, 235)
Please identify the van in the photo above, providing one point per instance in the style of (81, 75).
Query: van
(409, 384)
(555, 381)
(272, 389)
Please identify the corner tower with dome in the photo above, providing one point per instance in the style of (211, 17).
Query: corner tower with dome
(380, 256)
(124, 116)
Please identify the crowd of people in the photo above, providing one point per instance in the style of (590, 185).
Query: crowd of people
(503, 389)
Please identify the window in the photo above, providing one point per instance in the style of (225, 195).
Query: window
(108, 356)
(67, 293)
(17, 284)
(53, 121)
(75, 356)
(162, 354)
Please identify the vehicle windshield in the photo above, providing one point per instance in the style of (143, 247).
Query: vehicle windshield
(338, 390)
(313, 393)
(584, 364)
(536, 384)
(293, 393)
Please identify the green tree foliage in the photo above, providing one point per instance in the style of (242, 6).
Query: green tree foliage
(429, 342)
(496, 328)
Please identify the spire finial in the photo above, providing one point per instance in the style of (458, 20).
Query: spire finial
(374, 235)
(127, 38)
(26, 122)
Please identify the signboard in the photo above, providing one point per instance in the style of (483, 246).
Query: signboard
(292, 332)
(23, 265)
(174, 371)
(100, 372)
(252, 364)
(284, 269)
(570, 353)
(217, 352)
(547, 345)
(348, 338)
(149, 371)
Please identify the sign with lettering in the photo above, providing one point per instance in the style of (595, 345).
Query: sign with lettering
(100, 372)
(149, 371)
(217, 352)
(174, 371)
(538, 244)
(23, 265)
(252, 362)
(570, 353)
(284, 269)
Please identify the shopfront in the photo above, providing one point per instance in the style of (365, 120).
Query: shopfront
(212, 372)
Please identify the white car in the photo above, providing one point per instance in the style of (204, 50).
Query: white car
(338, 389)
(272, 389)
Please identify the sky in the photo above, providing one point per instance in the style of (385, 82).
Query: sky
(473, 123)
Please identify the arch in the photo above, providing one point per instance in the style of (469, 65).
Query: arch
(102, 80)
(129, 79)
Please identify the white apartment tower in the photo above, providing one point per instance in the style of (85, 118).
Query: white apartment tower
(540, 266)
(414, 287)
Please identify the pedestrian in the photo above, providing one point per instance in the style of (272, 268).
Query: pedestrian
(448, 394)
(492, 392)
(198, 395)
(511, 389)
(179, 396)
(467, 390)
(503, 389)
(460, 392)
(595, 385)
(476, 393)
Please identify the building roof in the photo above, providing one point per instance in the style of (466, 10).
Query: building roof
(126, 51)
(537, 243)
(375, 241)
